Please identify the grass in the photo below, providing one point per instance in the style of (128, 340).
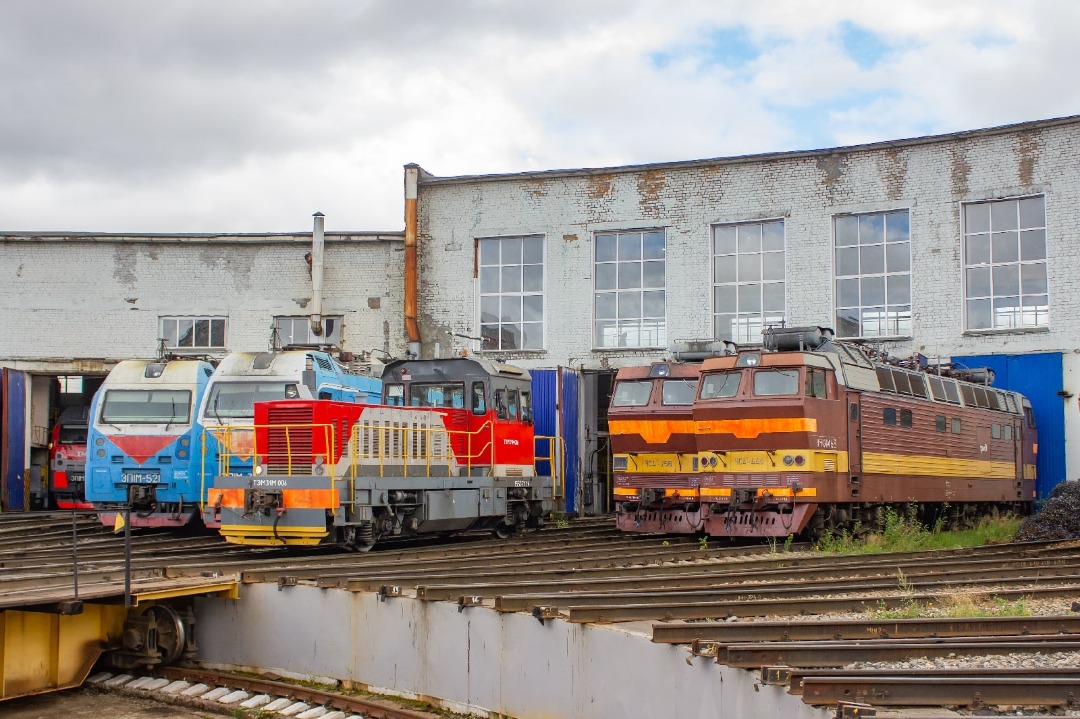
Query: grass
(900, 533)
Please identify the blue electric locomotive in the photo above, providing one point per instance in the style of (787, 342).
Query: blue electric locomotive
(143, 442)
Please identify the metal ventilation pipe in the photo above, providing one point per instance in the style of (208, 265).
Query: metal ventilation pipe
(318, 248)
(412, 327)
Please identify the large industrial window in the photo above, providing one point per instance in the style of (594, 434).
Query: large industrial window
(1005, 264)
(511, 273)
(297, 331)
(629, 307)
(193, 333)
(748, 279)
(873, 274)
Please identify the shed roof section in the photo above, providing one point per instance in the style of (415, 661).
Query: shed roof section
(426, 178)
(208, 238)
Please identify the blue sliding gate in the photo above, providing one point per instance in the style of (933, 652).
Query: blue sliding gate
(546, 385)
(1038, 376)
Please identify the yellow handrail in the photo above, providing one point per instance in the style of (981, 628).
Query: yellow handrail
(557, 458)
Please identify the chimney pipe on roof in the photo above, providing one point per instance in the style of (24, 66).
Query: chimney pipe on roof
(412, 178)
(317, 252)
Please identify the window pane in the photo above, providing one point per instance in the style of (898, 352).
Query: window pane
(1007, 312)
(511, 278)
(605, 248)
(724, 240)
(532, 278)
(217, 332)
(653, 246)
(898, 257)
(899, 289)
(630, 247)
(652, 304)
(749, 267)
(510, 336)
(749, 238)
(653, 274)
(847, 323)
(532, 250)
(489, 309)
(606, 334)
(724, 269)
(978, 282)
(605, 305)
(1007, 280)
(605, 276)
(847, 293)
(202, 333)
(871, 229)
(629, 305)
(1003, 215)
(772, 236)
(772, 297)
(489, 252)
(977, 250)
(847, 231)
(629, 275)
(724, 298)
(749, 298)
(1033, 245)
(511, 251)
(510, 308)
(847, 261)
(489, 280)
(1005, 247)
(1032, 213)
(532, 336)
(1033, 279)
(873, 290)
(872, 259)
(977, 218)
(532, 308)
(168, 332)
(489, 336)
(772, 266)
(185, 332)
(897, 227)
(978, 314)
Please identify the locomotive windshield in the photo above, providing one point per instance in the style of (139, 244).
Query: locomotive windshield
(774, 382)
(236, 400)
(431, 394)
(720, 385)
(632, 394)
(146, 406)
(679, 391)
(72, 434)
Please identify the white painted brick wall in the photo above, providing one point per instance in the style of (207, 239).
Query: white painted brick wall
(82, 296)
(931, 178)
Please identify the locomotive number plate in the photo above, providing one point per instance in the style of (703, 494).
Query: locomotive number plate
(140, 477)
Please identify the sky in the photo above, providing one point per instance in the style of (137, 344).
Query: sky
(250, 115)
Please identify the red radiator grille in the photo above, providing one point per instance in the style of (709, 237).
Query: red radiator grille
(289, 440)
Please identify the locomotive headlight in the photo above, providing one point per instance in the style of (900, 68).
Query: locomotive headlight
(59, 456)
(185, 441)
(99, 442)
(101, 453)
(799, 460)
(318, 469)
(181, 453)
(789, 460)
(258, 469)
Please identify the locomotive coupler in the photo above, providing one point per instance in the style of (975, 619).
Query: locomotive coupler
(258, 500)
(142, 496)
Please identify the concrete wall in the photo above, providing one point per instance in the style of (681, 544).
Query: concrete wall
(930, 176)
(74, 297)
(478, 660)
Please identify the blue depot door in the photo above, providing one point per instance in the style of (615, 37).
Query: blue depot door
(13, 388)
(1038, 377)
(553, 418)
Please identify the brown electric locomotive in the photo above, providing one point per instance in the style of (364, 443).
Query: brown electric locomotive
(807, 434)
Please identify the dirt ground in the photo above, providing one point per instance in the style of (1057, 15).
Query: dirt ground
(85, 704)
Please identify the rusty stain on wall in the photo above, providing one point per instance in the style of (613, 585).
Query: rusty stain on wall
(374, 303)
(892, 164)
(832, 169)
(569, 238)
(599, 186)
(1027, 152)
(960, 170)
(536, 187)
(651, 185)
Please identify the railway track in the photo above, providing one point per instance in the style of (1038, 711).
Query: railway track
(712, 597)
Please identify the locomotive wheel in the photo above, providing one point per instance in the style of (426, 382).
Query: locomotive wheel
(171, 632)
(503, 531)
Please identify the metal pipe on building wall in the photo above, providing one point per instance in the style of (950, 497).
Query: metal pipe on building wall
(318, 250)
(412, 328)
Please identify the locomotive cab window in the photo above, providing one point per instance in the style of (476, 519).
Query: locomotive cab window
(631, 393)
(1030, 417)
(888, 416)
(502, 410)
(512, 404)
(678, 391)
(815, 383)
(956, 428)
(940, 423)
(906, 418)
(395, 395)
(479, 403)
(776, 382)
(720, 385)
(1007, 432)
(995, 431)
(526, 407)
(432, 394)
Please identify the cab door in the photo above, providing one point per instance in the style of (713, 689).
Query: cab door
(854, 442)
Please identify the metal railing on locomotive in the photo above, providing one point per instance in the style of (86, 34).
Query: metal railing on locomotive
(232, 441)
(391, 447)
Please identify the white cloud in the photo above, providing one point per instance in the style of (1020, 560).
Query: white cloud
(248, 116)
